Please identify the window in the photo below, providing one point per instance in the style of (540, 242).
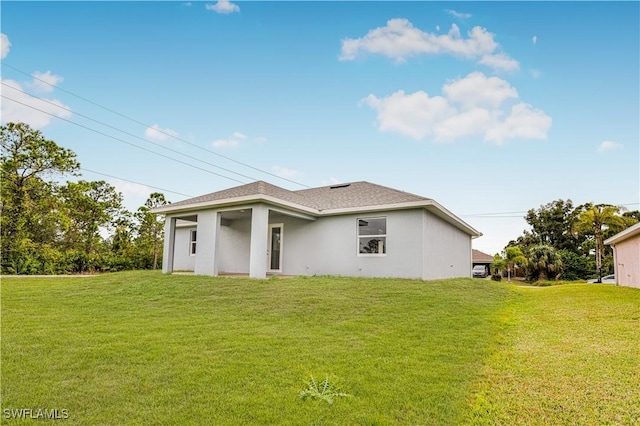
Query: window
(372, 235)
(192, 243)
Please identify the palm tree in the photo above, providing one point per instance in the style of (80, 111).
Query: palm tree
(595, 219)
(544, 262)
(512, 257)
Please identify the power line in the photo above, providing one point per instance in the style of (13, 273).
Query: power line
(158, 130)
(137, 183)
(123, 141)
(127, 133)
(499, 215)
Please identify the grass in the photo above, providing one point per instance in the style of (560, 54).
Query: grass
(571, 358)
(145, 348)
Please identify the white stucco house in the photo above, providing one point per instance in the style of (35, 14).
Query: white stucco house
(626, 256)
(351, 229)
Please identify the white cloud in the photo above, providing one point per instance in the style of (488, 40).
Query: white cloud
(535, 73)
(477, 89)
(609, 145)
(223, 6)
(399, 39)
(458, 14)
(5, 45)
(500, 61)
(473, 105)
(286, 173)
(45, 81)
(233, 141)
(236, 139)
(19, 106)
(155, 132)
(414, 115)
(225, 143)
(524, 122)
(534, 39)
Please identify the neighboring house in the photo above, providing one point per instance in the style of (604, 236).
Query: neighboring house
(479, 258)
(351, 229)
(626, 256)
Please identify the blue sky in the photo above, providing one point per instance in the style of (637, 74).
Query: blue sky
(486, 107)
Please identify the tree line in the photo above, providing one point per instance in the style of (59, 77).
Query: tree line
(566, 241)
(53, 227)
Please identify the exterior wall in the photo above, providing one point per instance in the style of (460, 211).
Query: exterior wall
(419, 245)
(182, 259)
(234, 245)
(447, 250)
(329, 246)
(627, 262)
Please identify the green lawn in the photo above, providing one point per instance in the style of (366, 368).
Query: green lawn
(145, 348)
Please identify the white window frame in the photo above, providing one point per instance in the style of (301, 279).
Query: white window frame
(359, 236)
(193, 240)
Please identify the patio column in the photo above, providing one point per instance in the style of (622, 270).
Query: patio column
(169, 244)
(259, 237)
(207, 243)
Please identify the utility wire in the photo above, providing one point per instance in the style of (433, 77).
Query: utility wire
(158, 130)
(127, 133)
(121, 140)
(137, 183)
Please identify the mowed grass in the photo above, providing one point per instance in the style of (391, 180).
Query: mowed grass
(572, 358)
(146, 348)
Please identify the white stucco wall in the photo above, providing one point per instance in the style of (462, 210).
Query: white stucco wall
(182, 260)
(234, 244)
(329, 246)
(447, 250)
(419, 245)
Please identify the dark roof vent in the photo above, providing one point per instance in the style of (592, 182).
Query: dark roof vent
(342, 185)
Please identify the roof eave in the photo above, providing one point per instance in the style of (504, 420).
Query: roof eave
(427, 204)
(621, 236)
(236, 201)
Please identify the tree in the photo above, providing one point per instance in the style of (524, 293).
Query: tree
(544, 263)
(512, 257)
(575, 266)
(89, 206)
(552, 224)
(29, 209)
(151, 227)
(594, 220)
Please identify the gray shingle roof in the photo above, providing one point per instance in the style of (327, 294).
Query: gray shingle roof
(333, 199)
(254, 188)
(342, 196)
(356, 194)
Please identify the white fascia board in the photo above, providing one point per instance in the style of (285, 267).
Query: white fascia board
(621, 236)
(310, 213)
(237, 201)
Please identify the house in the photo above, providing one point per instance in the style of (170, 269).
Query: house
(351, 229)
(626, 256)
(479, 258)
